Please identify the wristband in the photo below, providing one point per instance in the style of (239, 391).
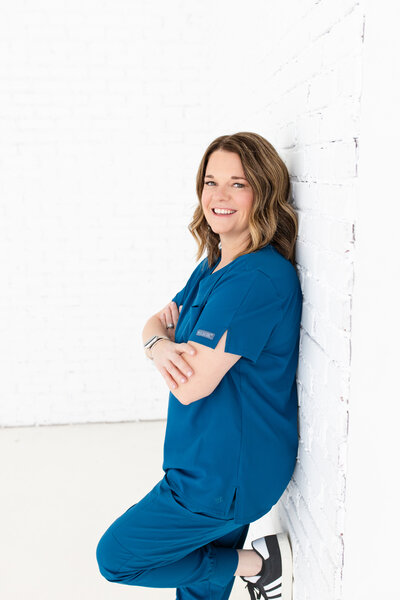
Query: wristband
(153, 340)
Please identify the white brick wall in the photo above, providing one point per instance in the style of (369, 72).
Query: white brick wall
(306, 93)
(322, 157)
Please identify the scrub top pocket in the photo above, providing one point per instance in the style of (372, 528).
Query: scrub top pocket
(196, 306)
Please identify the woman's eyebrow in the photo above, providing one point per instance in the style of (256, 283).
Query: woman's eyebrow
(233, 177)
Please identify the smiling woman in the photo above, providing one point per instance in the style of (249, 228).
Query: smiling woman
(231, 437)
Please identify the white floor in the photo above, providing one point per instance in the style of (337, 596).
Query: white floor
(61, 487)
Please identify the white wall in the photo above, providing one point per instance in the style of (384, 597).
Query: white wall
(106, 110)
(371, 556)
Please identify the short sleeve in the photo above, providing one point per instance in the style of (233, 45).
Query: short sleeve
(178, 298)
(246, 304)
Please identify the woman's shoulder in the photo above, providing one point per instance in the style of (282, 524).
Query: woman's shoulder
(270, 261)
(269, 264)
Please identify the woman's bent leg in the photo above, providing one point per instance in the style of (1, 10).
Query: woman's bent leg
(158, 542)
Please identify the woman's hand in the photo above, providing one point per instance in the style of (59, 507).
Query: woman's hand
(168, 360)
(170, 314)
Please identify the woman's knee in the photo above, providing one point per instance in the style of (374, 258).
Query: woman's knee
(111, 557)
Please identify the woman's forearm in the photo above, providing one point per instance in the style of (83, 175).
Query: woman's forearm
(153, 327)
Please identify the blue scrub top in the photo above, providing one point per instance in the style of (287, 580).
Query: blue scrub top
(236, 449)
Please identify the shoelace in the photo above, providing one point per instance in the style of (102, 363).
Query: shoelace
(254, 589)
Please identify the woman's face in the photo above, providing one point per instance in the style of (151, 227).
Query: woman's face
(225, 186)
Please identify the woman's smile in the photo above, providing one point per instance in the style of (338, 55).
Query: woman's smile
(223, 212)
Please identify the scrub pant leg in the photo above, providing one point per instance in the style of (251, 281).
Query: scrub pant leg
(208, 590)
(160, 543)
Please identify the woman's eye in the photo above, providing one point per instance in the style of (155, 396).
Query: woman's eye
(237, 183)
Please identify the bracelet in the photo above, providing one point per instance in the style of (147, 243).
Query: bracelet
(154, 343)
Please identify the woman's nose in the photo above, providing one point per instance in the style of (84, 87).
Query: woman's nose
(222, 192)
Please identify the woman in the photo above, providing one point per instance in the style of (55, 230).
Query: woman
(227, 346)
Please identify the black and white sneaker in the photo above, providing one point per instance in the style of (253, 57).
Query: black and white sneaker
(274, 581)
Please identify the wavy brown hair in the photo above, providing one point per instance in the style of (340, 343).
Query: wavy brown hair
(272, 219)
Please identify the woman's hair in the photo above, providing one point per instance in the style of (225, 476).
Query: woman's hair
(272, 219)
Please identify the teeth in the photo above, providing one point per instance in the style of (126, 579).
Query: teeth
(223, 211)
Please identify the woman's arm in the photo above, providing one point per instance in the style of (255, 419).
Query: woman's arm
(156, 325)
(172, 366)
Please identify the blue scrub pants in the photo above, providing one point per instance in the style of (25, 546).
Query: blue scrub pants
(160, 543)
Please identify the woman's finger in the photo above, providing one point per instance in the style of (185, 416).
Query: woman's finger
(171, 383)
(185, 347)
(183, 366)
(180, 363)
(163, 319)
(170, 320)
(174, 313)
(177, 374)
(169, 314)
(168, 317)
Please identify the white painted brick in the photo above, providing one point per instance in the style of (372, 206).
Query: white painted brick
(344, 159)
(305, 430)
(285, 136)
(345, 37)
(307, 318)
(314, 475)
(317, 576)
(317, 506)
(325, 15)
(322, 90)
(304, 195)
(333, 340)
(340, 121)
(332, 162)
(339, 310)
(315, 357)
(306, 255)
(295, 162)
(338, 381)
(308, 128)
(349, 76)
(341, 238)
(304, 374)
(335, 271)
(337, 200)
(310, 60)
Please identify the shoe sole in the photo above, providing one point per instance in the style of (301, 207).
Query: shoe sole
(287, 562)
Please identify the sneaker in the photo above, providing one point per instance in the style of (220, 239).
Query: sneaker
(274, 581)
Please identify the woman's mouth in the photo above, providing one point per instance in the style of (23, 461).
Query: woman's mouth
(225, 212)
